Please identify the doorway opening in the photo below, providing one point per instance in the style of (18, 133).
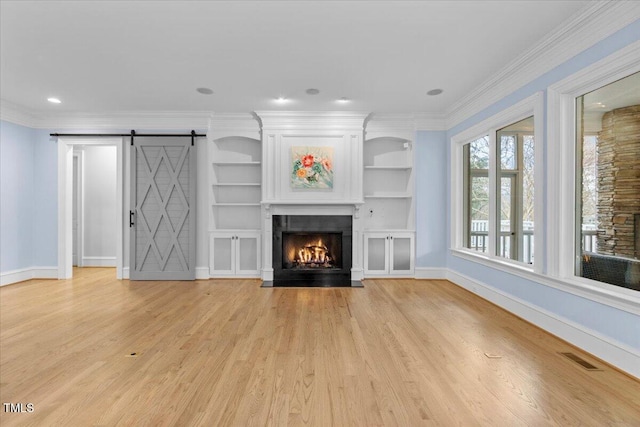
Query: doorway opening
(94, 205)
(66, 205)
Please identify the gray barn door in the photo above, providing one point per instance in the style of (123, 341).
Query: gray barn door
(163, 200)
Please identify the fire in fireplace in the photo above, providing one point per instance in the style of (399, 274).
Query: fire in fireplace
(311, 251)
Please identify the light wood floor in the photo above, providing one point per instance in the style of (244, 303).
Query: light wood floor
(226, 352)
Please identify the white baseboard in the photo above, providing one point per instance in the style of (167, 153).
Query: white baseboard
(98, 261)
(617, 354)
(15, 276)
(202, 273)
(125, 273)
(357, 274)
(431, 273)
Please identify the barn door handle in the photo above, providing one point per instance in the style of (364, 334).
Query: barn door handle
(131, 214)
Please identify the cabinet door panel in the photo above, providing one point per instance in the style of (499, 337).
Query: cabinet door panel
(248, 255)
(222, 255)
(376, 254)
(402, 254)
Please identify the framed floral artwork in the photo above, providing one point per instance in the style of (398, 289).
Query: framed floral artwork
(312, 167)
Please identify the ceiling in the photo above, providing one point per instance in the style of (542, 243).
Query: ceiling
(384, 56)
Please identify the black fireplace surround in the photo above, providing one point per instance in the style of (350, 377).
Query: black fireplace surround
(312, 250)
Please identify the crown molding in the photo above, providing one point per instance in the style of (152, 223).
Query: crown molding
(430, 121)
(10, 112)
(402, 125)
(157, 120)
(312, 120)
(596, 22)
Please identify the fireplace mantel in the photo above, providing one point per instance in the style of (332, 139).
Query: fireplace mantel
(314, 207)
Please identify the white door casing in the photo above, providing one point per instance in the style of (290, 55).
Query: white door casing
(65, 201)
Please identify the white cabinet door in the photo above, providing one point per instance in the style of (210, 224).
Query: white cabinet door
(234, 253)
(401, 254)
(376, 254)
(222, 254)
(389, 253)
(247, 253)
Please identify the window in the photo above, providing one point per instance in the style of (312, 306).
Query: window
(494, 170)
(608, 183)
(572, 191)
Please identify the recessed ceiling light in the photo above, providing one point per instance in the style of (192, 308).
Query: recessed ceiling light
(434, 92)
(344, 100)
(54, 100)
(204, 90)
(312, 91)
(281, 99)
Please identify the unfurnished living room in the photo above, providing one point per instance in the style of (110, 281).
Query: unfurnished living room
(323, 213)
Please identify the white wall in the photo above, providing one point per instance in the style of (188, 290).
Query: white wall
(99, 200)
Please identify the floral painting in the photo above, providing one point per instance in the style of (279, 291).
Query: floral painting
(312, 167)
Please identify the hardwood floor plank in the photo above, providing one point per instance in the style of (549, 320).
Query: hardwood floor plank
(227, 352)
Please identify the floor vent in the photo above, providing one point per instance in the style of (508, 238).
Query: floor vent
(580, 361)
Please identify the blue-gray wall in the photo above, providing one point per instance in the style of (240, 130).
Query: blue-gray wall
(28, 198)
(16, 205)
(431, 198)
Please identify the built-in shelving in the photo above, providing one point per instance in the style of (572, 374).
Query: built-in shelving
(388, 184)
(235, 193)
(388, 210)
(236, 188)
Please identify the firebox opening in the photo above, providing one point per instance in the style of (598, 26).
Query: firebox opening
(311, 251)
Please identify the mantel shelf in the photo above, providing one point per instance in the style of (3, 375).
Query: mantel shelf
(236, 204)
(236, 163)
(388, 167)
(237, 184)
(387, 196)
(313, 202)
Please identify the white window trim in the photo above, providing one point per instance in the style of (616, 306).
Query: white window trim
(531, 106)
(561, 170)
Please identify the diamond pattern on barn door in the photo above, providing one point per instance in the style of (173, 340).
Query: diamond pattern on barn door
(163, 195)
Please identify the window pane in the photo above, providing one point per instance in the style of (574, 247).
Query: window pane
(528, 187)
(508, 150)
(479, 153)
(476, 202)
(608, 183)
(515, 192)
(479, 236)
(505, 217)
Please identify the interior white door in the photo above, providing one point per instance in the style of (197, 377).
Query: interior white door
(163, 201)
